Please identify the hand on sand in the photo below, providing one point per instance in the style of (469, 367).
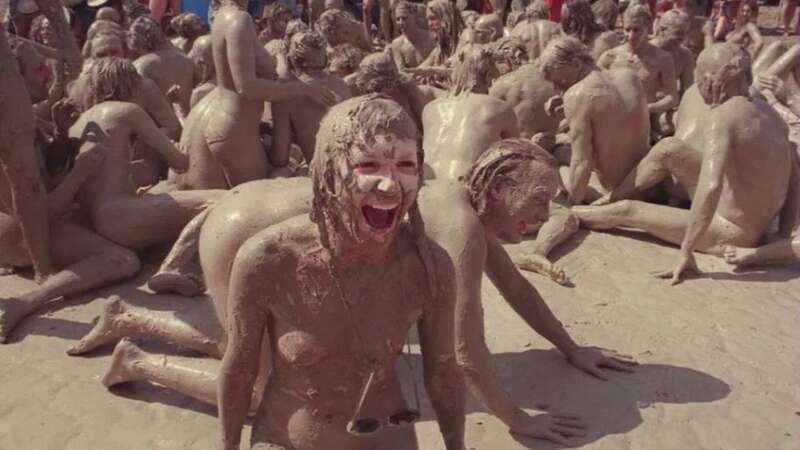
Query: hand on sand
(686, 263)
(558, 428)
(592, 359)
(539, 264)
(602, 201)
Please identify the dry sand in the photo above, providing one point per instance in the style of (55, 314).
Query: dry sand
(719, 363)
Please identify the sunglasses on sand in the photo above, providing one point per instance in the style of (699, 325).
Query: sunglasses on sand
(363, 426)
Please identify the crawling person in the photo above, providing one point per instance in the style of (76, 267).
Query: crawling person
(332, 330)
(509, 186)
(735, 191)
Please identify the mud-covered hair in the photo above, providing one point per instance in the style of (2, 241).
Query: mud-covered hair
(562, 52)
(145, 35)
(674, 19)
(538, 9)
(719, 67)
(473, 66)
(637, 13)
(500, 163)
(182, 24)
(580, 22)
(112, 79)
(100, 28)
(330, 21)
(356, 122)
(376, 73)
(302, 46)
(511, 48)
(345, 58)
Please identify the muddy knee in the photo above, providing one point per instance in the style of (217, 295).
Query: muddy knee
(123, 261)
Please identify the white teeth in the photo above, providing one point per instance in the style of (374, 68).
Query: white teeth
(384, 208)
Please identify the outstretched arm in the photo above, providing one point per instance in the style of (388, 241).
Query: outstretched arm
(582, 162)
(246, 326)
(436, 337)
(706, 197)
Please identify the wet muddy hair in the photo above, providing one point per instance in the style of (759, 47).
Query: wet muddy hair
(564, 51)
(302, 47)
(100, 28)
(580, 22)
(345, 58)
(182, 25)
(720, 68)
(352, 123)
(145, 35)
(499, 163)
(637, 13)
(376, 73)
(452, 26)
(538, 9)
(473, 66)
(112, 79)
(330, 22)
(674, 19)
(511, 48)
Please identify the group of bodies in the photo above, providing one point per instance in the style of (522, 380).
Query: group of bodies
(374, 191)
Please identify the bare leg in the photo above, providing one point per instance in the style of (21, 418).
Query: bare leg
(130, 363)
(119, 320)
(92, 262)
(559, 227)
(180, 272)
(787, 10)
(779, 252)
(670, 157)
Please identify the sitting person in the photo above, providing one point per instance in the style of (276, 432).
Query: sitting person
(414, 44)
(89, 261)
(654, 67)
(607, 115)
(307, 61)
(745, 32)
(735, 191)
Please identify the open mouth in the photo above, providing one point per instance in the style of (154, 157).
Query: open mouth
(378, 217)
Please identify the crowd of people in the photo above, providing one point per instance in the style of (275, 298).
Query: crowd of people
(333, 180)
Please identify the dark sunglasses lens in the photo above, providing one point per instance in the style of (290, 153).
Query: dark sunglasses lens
(363, 426)
(405, 417)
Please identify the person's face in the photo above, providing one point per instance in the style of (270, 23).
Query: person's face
(635, 32)
(522, 202)
(49, 36)
(401, 18)
(104, 46)
(483, 33)
(384, 185)
(36, 74)
(746, 13)
(672, 35)
(434, 21)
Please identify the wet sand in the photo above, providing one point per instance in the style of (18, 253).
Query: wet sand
(718, 353)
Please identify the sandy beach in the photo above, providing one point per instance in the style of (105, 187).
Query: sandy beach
(718, 354)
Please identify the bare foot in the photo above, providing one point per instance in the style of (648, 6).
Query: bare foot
(739, 256)
(12, 311)
(123, 361)
(541, 265)
(109, 328)
(179, 283)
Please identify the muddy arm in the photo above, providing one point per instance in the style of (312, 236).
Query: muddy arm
(245, 328)
(147, 131)
(525, 299)
(784, 65)
(437, 342)
(68, 46)
(86, 163)
(791, 206)
(582, 161)
(668, 86)
(709, 189)
(756, 38)
(511, 124)
(281, 134)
